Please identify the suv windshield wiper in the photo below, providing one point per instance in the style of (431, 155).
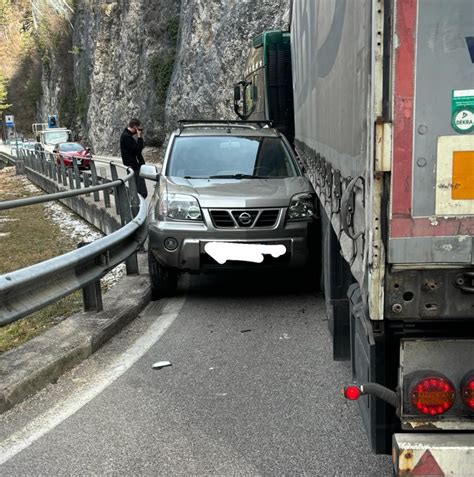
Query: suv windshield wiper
(237, 176)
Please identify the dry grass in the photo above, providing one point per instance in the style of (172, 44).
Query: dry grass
(28, 236)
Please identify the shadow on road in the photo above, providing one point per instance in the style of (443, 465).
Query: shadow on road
(247, 283)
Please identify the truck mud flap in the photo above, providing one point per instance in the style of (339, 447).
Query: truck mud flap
(367, 360)
(337, 278)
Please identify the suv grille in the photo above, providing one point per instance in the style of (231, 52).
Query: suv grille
(267, 218)
(244, 218)
(222, 218)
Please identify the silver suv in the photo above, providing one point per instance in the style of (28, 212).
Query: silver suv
(231, 194)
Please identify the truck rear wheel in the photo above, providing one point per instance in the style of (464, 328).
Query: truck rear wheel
(164, 280)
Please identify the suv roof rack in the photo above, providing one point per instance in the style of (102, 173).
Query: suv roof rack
(223, 123)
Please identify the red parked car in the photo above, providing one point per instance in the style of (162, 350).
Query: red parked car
(68, 150)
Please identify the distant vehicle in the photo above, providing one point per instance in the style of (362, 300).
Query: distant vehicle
(28, 144)
(260, 95)
(28, 147)
(48, 138)
(231, 195)
(68, 150)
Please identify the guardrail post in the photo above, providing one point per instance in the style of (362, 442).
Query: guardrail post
(71, 178)
(19, 166)
(92, 293)
(47, 160)
(113, 171)
(106, 193)
(94, 179)
(46, 167)
(77, 174)
(133, 193)
(123, 208)
(86, 182)
(63, 172)
(92, 297)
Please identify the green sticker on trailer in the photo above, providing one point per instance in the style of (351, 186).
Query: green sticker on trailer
(462, 110)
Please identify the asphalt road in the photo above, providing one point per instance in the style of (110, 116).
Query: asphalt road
(252, 390)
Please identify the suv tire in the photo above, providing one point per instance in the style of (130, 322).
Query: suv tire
(164, 280)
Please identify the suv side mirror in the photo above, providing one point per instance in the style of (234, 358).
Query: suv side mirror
(147, 171)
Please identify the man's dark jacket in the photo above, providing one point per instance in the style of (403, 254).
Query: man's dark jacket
(131, 150)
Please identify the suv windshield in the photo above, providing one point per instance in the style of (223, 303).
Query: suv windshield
(53, 137)
(230, 157)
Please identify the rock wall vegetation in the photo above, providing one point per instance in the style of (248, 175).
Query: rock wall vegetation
(160, 60)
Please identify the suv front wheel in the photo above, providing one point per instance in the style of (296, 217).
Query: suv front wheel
(164, 280)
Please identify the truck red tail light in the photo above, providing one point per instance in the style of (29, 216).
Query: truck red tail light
(351, 392)
(467, 390)
(432, 395)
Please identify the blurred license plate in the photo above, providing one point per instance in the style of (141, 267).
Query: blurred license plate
(244, 252)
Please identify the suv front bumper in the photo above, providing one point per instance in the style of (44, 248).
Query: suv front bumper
(192, 237)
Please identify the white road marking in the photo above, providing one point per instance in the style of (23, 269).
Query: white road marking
(45, 423)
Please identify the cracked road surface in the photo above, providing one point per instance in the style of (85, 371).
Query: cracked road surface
(252, 390)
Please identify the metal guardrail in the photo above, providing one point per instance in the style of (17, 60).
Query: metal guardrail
(24, 291)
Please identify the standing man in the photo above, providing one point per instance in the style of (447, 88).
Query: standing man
(131, 150)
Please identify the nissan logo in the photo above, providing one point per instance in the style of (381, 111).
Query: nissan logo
(245, 218)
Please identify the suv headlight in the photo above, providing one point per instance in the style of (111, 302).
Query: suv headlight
(301, 207)
(179, 207)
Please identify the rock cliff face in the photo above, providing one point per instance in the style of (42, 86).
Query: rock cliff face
(159, 60)
(215, 38)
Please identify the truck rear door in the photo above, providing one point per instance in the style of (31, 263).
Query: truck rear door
(432, 190)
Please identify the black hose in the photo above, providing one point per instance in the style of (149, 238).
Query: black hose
(381, 392)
